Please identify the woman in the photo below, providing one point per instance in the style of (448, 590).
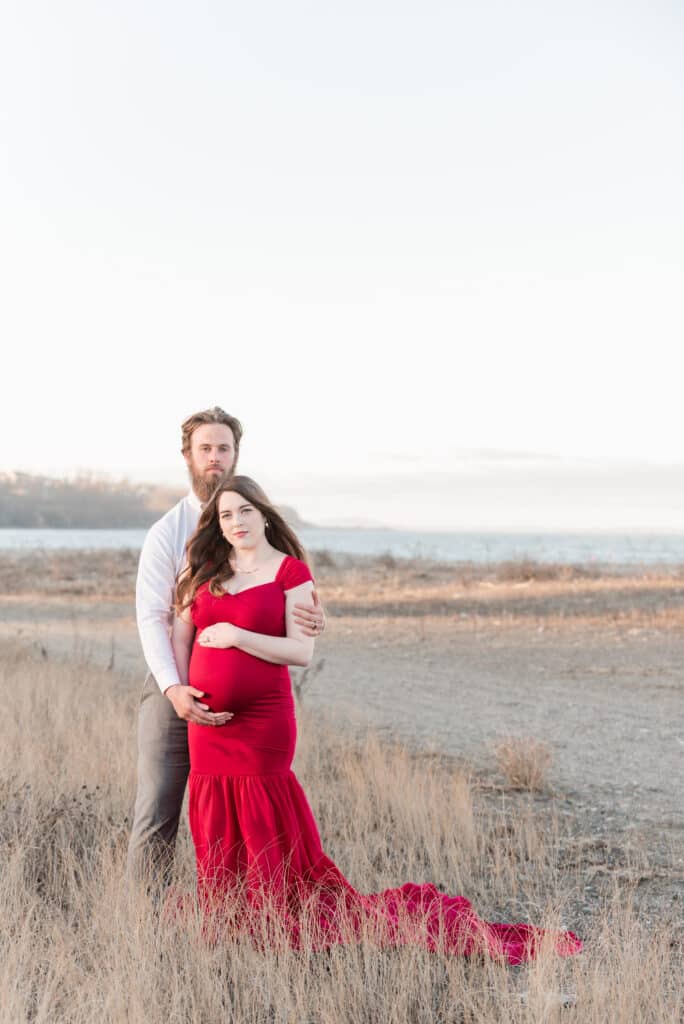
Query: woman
(259, 855)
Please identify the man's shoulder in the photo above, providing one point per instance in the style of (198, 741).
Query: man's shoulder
(174, 513)
(167, 525)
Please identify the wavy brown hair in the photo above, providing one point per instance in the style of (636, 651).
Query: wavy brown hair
(208, 552)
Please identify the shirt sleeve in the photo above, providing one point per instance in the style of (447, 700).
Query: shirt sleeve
(153, 599)
(294, 573)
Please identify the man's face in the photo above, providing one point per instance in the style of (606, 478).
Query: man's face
(212, 453)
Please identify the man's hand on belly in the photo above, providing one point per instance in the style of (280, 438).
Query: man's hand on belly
(186, 706)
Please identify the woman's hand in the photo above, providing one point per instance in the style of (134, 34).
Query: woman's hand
(221, 635)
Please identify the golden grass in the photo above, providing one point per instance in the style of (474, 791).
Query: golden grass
(524, 762)
(77, 946)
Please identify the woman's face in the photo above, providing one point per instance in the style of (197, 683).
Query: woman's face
(242, 524)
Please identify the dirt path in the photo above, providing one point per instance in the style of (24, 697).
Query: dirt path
(610, 705)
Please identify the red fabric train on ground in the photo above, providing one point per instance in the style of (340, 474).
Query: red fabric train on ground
(259, 854)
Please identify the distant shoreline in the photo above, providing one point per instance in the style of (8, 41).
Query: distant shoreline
(593, 551)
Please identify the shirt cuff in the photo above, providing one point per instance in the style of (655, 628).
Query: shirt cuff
(168, 677)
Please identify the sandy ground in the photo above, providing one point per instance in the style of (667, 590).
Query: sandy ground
(454, 659)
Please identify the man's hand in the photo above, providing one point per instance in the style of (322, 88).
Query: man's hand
(187, 707)
(310, 617)
(221, 634)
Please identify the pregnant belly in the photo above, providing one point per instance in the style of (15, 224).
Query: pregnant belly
(260, 738)
(234, 681)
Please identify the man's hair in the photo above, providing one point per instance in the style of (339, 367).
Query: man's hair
(213, 415)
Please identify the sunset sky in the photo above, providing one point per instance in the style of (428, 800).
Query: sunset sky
(430, 254)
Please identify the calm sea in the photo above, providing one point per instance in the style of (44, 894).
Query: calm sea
(566, 548)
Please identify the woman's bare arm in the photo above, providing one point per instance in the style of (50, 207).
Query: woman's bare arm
(182, 696)
(293, 649)
(182, 635)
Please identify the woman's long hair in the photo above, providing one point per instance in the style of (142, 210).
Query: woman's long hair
(208, 552)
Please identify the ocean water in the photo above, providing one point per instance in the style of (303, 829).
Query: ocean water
(459, 546)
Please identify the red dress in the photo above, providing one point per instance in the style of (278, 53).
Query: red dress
(259, 853)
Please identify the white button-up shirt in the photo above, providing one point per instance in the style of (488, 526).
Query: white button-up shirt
(161, 559)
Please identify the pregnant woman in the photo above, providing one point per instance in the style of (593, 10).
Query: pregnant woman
(259, 854)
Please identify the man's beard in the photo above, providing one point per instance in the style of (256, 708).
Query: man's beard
(204, 486)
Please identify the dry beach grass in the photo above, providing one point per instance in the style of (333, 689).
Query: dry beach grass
(77, 946)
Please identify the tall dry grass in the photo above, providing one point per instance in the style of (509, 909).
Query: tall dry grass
(78, 946)
(524, 762)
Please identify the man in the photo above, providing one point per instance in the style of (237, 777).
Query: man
(210, 447)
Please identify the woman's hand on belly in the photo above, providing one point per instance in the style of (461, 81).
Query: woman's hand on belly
(220, 635)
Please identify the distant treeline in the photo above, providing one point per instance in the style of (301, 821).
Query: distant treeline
(83, 502)
(86, 502)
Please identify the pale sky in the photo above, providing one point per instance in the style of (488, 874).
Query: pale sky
(393, 238)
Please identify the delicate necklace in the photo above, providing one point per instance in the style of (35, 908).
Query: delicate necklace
(247, 572)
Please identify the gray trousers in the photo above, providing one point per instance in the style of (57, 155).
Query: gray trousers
(163, 767)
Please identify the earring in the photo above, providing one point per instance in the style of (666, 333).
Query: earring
(266, 524)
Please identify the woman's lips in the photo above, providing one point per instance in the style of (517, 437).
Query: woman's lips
(240, 533)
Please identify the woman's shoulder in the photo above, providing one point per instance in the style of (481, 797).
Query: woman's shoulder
(201, 603)
(201, 593)
(293, 572)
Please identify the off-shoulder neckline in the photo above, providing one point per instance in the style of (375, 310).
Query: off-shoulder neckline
(257, 586)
